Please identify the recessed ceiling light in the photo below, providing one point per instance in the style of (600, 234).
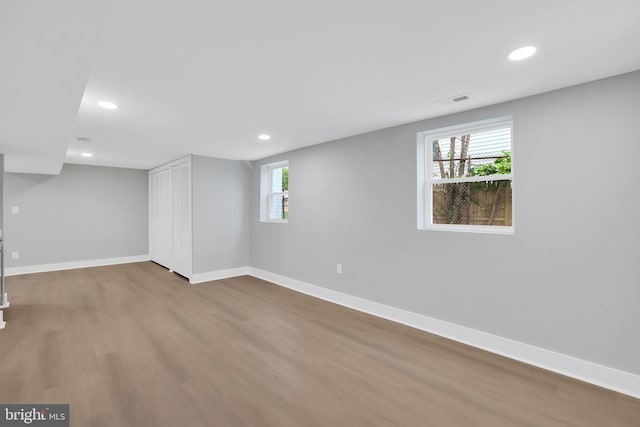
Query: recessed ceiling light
(264, 137)
(108, 105)
(522, 53)
(87, 155)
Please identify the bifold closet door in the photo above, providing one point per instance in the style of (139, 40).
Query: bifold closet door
(181, 218)
(160, 230)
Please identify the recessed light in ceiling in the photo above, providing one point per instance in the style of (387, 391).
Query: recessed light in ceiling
(264, 137)
(108, 105)
(86, 155)
(83, 139)
(522, 53)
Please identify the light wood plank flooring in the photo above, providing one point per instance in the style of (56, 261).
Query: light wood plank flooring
(134, 345)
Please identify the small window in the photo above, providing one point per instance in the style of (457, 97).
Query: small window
(465, 180)
(274, 206)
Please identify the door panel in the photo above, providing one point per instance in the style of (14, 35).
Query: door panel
(160, 238)
(181, 209)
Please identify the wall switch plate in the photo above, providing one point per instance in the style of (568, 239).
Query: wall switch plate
(15, 255)
(15, 209)
(339, 268)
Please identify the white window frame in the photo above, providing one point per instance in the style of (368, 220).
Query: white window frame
(426, 181)
(266, 177)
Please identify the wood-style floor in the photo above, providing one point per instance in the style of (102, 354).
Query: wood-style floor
(134, 345)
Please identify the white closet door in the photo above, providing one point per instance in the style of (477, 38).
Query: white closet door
(181, 204)
(160, 230)
(153, 216)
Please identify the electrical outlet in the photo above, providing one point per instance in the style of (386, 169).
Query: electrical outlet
(15, 209)
(339, 268)
(15, 255)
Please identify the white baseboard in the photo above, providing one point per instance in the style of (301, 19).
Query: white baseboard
(218, 275)
(14, 271)
(603, 376)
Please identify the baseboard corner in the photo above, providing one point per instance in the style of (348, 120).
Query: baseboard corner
(210, 276)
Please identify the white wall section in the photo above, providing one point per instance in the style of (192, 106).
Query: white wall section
(48, 50)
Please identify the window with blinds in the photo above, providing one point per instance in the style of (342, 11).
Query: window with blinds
(468, 177)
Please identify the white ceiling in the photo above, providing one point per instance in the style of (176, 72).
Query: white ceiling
(207, 77)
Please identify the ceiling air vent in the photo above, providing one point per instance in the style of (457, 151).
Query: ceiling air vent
(452, 100)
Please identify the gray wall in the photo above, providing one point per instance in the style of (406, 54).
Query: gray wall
(221, 213)
(85, 213)
(566, 281)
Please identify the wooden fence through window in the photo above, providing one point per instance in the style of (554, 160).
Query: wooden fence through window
(473, 203)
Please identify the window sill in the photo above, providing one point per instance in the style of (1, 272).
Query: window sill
(481, 229)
